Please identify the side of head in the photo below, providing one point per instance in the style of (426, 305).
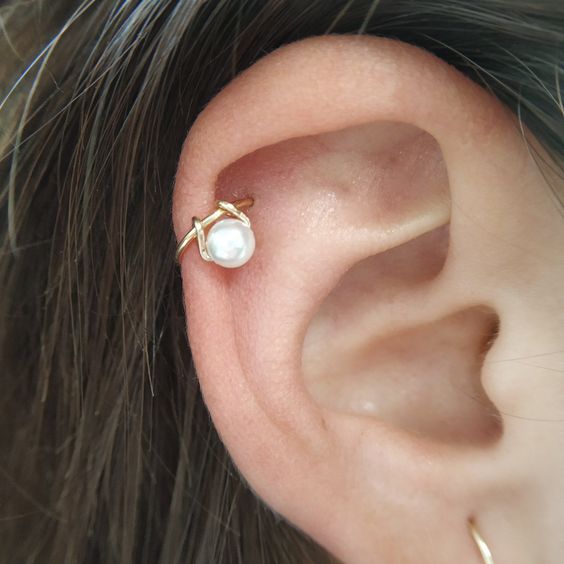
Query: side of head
(386, 365)
(408, 250)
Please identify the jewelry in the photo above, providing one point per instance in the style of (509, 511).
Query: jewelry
(485, 552)
(230, 242)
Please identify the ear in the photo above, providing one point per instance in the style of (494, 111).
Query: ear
(406, 247)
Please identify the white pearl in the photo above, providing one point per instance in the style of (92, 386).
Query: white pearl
(230, 243)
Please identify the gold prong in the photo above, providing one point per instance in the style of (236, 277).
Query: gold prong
(232, 210)
(201, 239)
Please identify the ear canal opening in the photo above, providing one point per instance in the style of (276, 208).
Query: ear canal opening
(422, 377)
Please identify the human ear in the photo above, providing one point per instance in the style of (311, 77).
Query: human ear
(358, 367)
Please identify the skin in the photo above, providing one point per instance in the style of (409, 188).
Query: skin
(387, 364)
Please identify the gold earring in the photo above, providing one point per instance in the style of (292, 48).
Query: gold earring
(230, 242)
(485, 552)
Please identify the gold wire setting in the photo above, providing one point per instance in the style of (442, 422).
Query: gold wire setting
(199, 225)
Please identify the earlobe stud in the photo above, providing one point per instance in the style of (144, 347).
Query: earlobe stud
(230, 242)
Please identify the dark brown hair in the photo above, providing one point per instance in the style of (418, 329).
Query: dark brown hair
(107, 452)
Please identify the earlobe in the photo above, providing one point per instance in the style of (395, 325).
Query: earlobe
(383, 271)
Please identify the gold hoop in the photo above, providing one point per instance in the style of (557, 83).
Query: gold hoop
(197, 231)
(485, 551)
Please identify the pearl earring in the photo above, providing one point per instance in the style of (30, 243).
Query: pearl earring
(230, 242)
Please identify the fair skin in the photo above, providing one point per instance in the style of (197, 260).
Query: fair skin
(357, 405)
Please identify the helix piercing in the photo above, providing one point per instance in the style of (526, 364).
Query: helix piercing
(229, 242)
(483, 548)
